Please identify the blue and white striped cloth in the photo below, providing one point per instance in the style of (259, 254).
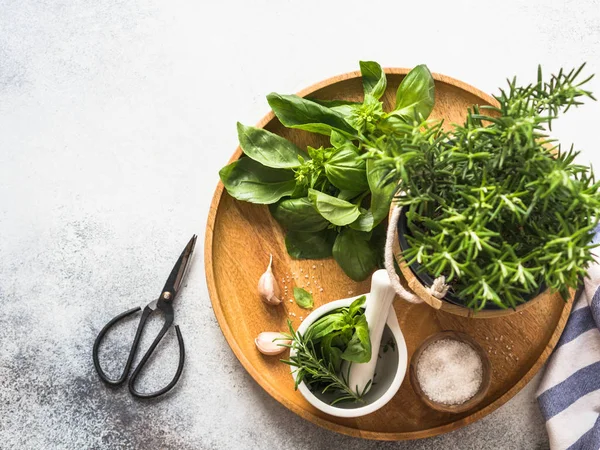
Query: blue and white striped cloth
(569, 394)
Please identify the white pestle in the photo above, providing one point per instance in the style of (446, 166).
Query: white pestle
(377, 307)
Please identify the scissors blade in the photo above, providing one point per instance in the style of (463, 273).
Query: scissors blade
(179, 270)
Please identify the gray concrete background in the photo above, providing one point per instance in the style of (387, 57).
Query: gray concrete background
(115, 117)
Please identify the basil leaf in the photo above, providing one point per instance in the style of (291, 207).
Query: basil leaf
(373, 78)
(416, 94)
(359, 347)
(296, 112)
(300, 191)
(310, 245)
(338, 140)
(348, 195)
(298, 214)
(382, 191)
(354, 254)
(331, 353)
(356, 305)
(341, 339)
(394, 125)
(250, 181)
(381, 197)
(303, 298)
(349, 320)
(365, 221)
(338, 212)
(356, 114)
(344, 107)
(325, 325)
(345, 169)
(269, 149)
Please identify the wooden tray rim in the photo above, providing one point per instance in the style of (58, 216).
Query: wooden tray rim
(355, 432)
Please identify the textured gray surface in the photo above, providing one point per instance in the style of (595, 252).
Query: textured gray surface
(115, 117)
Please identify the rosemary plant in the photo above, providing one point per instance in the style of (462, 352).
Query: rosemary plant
(495, 204)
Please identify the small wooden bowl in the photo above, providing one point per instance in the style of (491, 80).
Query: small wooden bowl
(486, 369)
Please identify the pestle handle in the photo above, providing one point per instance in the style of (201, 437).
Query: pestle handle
(377, 308)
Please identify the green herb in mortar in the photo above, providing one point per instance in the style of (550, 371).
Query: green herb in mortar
(341, 335)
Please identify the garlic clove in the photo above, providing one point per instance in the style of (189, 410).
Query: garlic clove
(267, 345)
(268, 288)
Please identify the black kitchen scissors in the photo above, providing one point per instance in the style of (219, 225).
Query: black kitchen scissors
(164, 304)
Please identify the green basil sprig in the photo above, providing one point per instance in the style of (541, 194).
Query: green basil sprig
(330, 201)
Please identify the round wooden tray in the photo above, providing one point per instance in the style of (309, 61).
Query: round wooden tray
(240, 236)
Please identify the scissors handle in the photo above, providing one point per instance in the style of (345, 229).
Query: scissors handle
(145, 358)
(168, 310)
(132, 352)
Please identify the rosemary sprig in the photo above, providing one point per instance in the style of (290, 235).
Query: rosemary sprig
(316, 371)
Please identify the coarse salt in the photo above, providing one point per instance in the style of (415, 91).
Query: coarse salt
(449, 372)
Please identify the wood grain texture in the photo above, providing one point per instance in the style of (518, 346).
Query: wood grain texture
(240, 236)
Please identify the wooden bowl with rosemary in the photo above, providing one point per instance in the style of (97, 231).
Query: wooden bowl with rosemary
(486, 372)
(412, 282)
(493, 209)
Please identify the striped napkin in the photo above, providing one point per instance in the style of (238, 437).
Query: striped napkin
(569, 394)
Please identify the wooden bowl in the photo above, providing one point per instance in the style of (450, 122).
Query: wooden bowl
(240, 236)
(486, 375)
